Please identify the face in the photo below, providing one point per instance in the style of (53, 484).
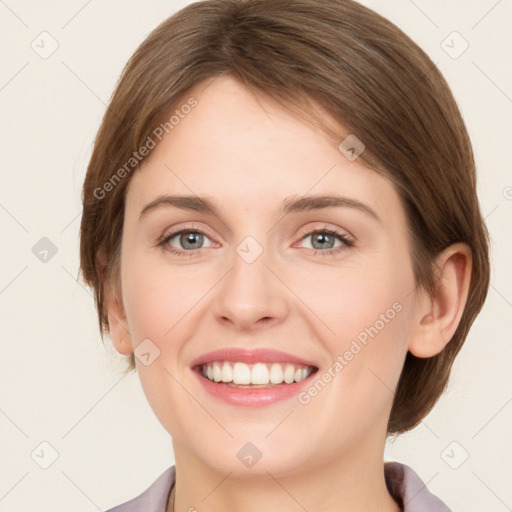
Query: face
(320, 296)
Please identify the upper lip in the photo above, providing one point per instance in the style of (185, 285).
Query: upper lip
(259, 355)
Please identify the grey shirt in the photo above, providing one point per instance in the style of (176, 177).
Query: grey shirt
(403, 484)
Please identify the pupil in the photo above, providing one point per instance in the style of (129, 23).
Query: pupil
(322, 238)
(189, 238)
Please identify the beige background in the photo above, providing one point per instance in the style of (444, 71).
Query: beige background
(57, 383)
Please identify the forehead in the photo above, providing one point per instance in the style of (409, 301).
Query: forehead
(250, 154)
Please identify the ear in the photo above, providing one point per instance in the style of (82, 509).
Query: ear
(117, 323)
(439, 315)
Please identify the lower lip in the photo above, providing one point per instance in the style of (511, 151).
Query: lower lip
(252, 397)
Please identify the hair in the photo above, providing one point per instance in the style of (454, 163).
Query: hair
(363, 72)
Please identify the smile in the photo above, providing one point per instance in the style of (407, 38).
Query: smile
(259, 374)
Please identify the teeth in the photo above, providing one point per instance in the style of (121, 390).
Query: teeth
(276, 374)
(258, 374)
(241, 373)
(227, 373)
(217, 372)
(289, 374)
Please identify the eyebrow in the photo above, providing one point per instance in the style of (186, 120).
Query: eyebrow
(289, 205)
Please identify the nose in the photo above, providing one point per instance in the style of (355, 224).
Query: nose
(250, 297)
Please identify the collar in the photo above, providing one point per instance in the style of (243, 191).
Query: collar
(402, 482)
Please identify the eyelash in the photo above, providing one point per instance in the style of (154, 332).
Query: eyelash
(347, 242)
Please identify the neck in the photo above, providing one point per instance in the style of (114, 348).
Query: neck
(343, 484)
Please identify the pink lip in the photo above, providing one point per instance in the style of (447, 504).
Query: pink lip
(258, 355)
(250, 397)
(255, 397)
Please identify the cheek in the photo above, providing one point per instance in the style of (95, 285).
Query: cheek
(365, 313)
(355, 301)
(161, 302)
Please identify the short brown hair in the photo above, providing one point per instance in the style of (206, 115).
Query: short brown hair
(363, 72)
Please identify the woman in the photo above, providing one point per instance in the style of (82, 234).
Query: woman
(282, 231)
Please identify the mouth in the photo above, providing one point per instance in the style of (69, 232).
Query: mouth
(240, 374)
(252, 378)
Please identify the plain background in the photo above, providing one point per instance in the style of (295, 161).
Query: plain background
(60, 385)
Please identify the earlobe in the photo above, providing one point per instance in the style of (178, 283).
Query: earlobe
(119, 333)
(117, 323)
(439, 315)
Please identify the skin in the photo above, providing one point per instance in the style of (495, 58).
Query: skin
(248, 156)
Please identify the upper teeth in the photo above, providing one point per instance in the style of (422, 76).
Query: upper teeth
(259, 373)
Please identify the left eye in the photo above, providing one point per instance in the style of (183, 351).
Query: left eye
(326, 239)
(189, 240)
(323, 241)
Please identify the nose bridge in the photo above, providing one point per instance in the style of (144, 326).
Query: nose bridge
(250, 291)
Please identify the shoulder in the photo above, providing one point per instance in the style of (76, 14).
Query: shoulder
(410, 491)
(154, 498)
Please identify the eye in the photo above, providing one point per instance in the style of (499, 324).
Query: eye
(188, 240)
(324, 241)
